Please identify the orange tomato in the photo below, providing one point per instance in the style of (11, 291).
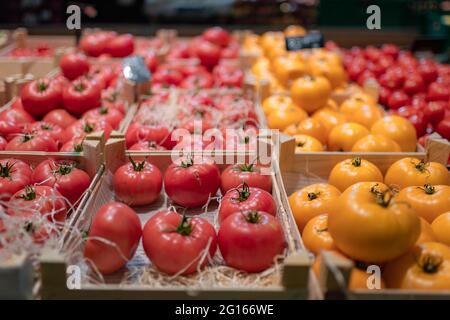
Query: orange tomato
(326, 55)
(344, 136)
(375, 143)
(335, 73)
(288, 68)
(425, 267)
(369, 225)
(329, 118)
(367, 115)
(331, 104)
(350, 171)
(316, 236)
(428, 201)
(291, 130)
(314, 128)
(305, 143)
(441, 228)
(281, 118)
(310, 93)
(276, 102)
(398, 129)
(414, 172)
(426, 232)
(356, 101)
(294, 30)
(311, 201)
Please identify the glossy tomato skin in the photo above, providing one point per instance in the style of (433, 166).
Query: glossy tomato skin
(59, 117)
(42, 127)
(243, 199)
(41, 96)
(141, 132)
(111, 115)
(435, 111)
(208, 54)
(73, 65)
(81, 128)
(191, 182)
(234, 175)
(116, 223)
(251, 243)
(217, 35)
(9, 130)
(197, 81)
(73, 145)
(178, 250)
(81, 96)
(443, 128)
(94, 44)
(3, 143)
(32, 142)
(121, 46)
(43, 199)
(14, 176)
(64, 177)
(137, 184)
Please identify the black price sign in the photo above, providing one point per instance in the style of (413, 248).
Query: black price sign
(311, 40)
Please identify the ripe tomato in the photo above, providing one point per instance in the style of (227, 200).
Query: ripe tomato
(275, 102)
(208, 54)
(314, 128)
(73, 65)
(9, 130)
(387, 228)
(435, 111)
(73, 145)
(94, 44)
(41, 96)
(145, 146)
(443, 128)
(344, 136)
(42, 127)
(3, 143)
(217, 35)
(228, 76)
(251, 241)
(14, 176)
(441, 228)
(305, 143)
(167, 77)
(235, 175)
(62, 176)
(282, 118)
(120, 46)
(191, 182)
(81, 96)
(414, 172)
(398, 129)
(428, 201)
(414, 83)
(311, 201)
(329, 118)
(350, 171)
(202, 80)
(81, 128)
(43, 199)
(120, 226)
(310, 93)
(32, 142)
(438, 91)
(376, 143)
(137, 184)
(426, 232)
(59, 117)
(111, 115)
(245, 198)
(316, 236)
(137, 132)
(174, 243)
(14, 117)
(425, 267)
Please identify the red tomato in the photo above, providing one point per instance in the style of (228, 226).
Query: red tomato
(202, 80)
(43, 199)
(443, 128)
(110, 114)
(428, 71)
(32, 142)
(190, 183)
(74, 145)
(217, 35)
(413, 84)
(94, 44)
(62, 176)
(235, 175)
(438, 91)
(10, 129)
(244, 199)
(250, 241)
(140, 132)
(59, 117)
(190, 69)
(42, 127)
(102, 74)
(167, 77)
(14, 176)
(81, 96)
(81, 128)
(14, 116)
(175, 244)
(420, 123)
(398, 99)
(137, 184)
(384, 95)
(3, 143)
(228, 76)
(390, 49)
(146, 146)
(208, 54)
(120, 226)
(366, 75)
(41, 96)
(73, 65)
(435, 111)
(121, 46)
(392, 79)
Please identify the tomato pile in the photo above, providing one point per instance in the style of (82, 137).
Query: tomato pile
(249, 236)
(41, 50)
(192, 120)
(399, 221)
(36, 201)
(56, 114)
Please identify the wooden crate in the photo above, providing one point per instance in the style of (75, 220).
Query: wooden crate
(297, 282)
(301, 170)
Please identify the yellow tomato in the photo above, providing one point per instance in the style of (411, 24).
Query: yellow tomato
(426, 232)
(414, 172)
(398, 129)
(313, 128)
(294, 30)
(305, 143)
(288, 68)
(311, 201)
(316, 236)
(441, 228)
(344, 136)
(369, 225)
(335, 73)
(281, 118)
(429, 201)
(376, 143)
(331, 104)
(310, 93)
(276, 102)
(350, 171)
(329, 118)
(366, 115)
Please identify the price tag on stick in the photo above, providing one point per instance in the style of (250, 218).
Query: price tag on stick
(135, 69)
(313, 39)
